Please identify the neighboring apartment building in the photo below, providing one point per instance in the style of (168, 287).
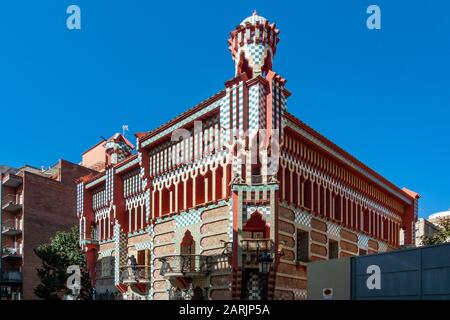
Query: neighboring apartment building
(429, 227)
(424, 228)
(236, 207)
(35, 204)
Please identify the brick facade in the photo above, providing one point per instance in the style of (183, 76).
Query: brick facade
(208, 217)
(48, 206)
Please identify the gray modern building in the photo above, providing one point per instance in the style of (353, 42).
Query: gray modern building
(424, 228)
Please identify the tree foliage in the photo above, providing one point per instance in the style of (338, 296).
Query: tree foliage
(62, 252)
(442, 236)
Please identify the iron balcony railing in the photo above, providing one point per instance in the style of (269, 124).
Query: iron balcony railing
(135, 274)
(257, 245)
(12, 276)
(185, 265)
(13, 252)
(12, 227)
(87, 241)
(12, 202)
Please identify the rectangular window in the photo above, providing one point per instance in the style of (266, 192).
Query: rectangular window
(333, 249)
(141, 257)
(302, 246)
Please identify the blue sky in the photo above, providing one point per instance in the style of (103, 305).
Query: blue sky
(381, 95)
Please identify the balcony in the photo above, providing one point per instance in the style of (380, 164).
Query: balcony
(12, 202)
(185, 265)
(135, 275)
(254, 245)
(12, 228)
(12, 277)
(12, 252)
(87, 241)
(12, 180)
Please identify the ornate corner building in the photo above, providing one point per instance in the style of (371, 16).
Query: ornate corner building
(233, 198)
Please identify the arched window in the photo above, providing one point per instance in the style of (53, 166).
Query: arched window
(187, 244)
(244, 67)
(187, 252)
(256, 227)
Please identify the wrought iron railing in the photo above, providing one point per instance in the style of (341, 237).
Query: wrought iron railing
(12, 202)
(188, 293)
(185, 264)
(13, 198)
(12, 226)
(11, 251)
(135, 274)
(89, 241)
(257, 244)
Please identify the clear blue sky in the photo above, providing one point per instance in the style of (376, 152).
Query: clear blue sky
(382, 95)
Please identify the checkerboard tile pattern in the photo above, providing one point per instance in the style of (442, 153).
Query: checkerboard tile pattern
(333, 229)
(187, 219)
(363, 240)
(302, 218)
(254, 287)
(382, 247)
(143, 245)
(300, 295)
(109, 185)
(257, 53)
(279, 100)
(120, 248)
(225, 117)
(253, 114)
(262, 107)
(116, 257)
(80, 201)
(106, 253)
(152, 266)
(241, 108)
(237, 166)
(147, 205)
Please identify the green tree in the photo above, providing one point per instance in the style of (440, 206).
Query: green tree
(442, 236)
(62, 252)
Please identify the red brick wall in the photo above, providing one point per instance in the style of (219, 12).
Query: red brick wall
(291, 277)
(49, 206)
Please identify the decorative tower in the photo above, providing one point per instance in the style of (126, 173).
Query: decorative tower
(253, 116)
(118, 148)
(253, 113)
(253, 44)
